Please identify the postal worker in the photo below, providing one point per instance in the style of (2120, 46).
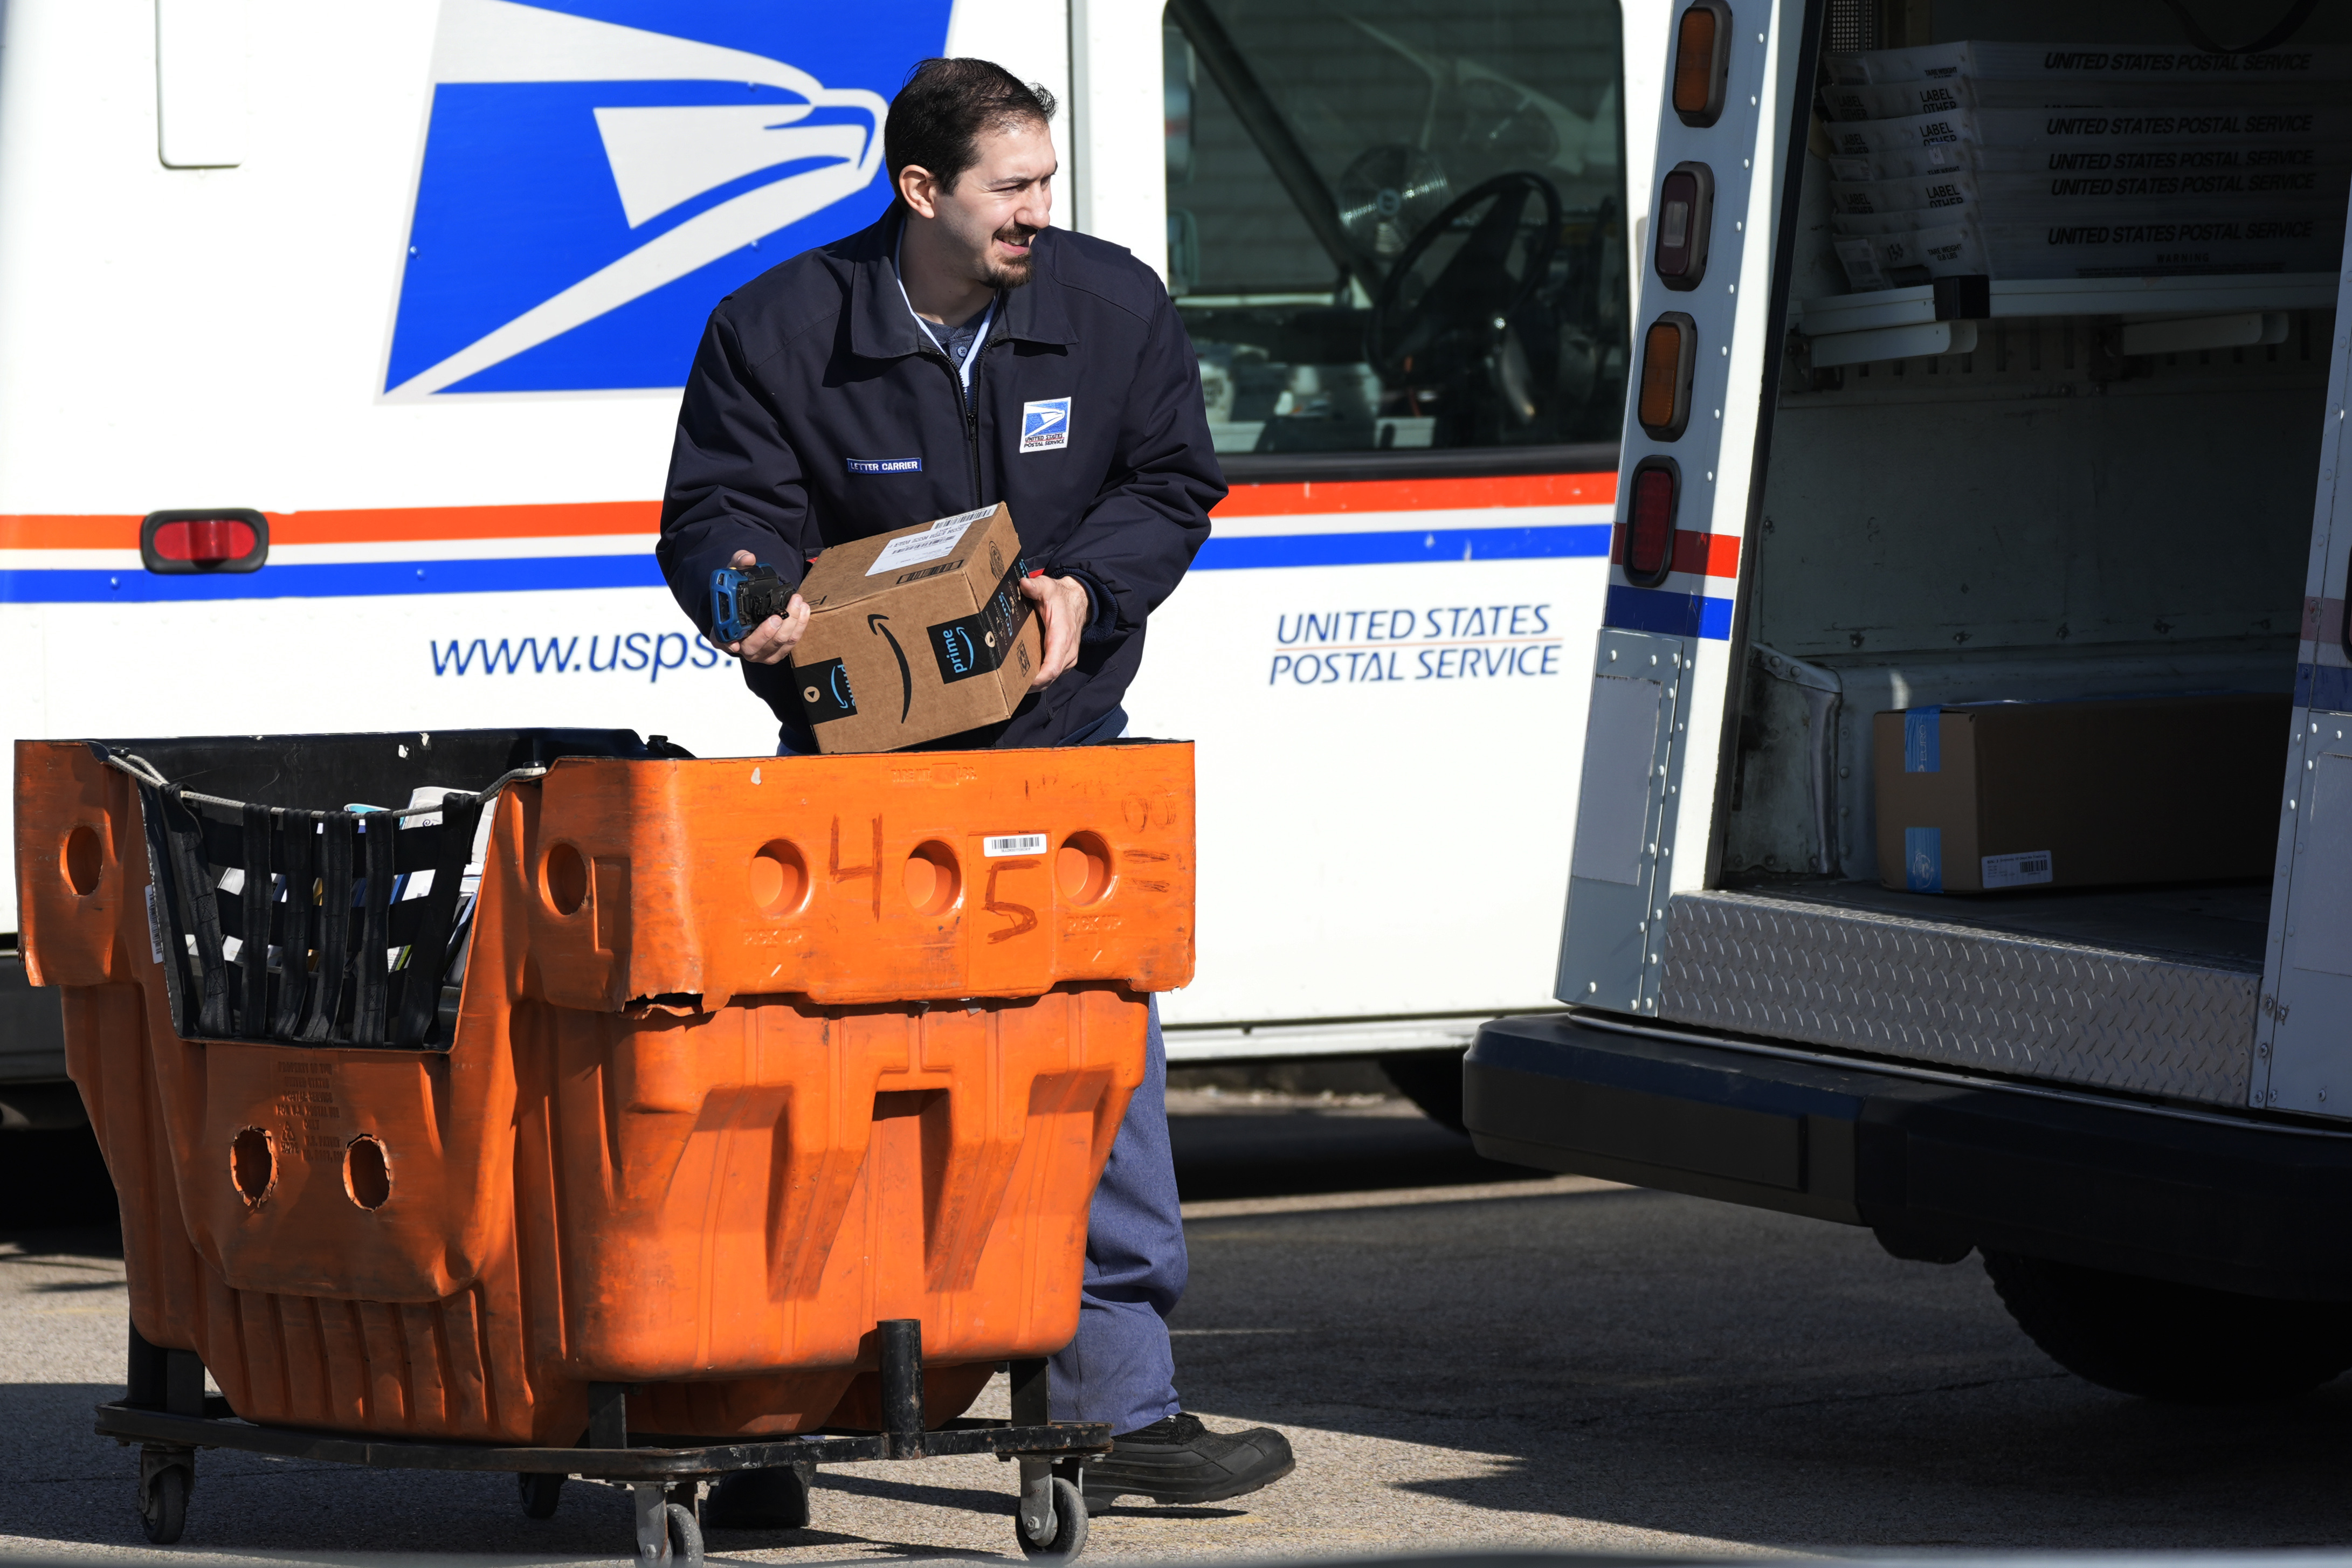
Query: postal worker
(960, 352)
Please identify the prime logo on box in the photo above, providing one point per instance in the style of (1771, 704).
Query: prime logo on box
(597, 174)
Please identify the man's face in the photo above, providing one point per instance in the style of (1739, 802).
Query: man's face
(998, 204)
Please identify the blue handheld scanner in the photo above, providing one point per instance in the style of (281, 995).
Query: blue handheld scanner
(741, 600)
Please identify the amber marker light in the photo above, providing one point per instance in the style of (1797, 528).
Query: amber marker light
(1669, 356)
(1702, 62)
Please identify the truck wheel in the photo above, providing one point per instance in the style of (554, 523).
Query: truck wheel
(2181, 1343)
(1431, 1080)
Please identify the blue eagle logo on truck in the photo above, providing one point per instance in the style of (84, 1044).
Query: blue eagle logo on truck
(598, 173)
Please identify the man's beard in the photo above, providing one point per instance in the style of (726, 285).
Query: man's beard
(1010, 274)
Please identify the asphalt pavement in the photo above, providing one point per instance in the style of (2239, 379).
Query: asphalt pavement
(1464, 1355)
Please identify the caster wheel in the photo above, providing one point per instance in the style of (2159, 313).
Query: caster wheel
(1069, 1525)
(685, 1537)
(540, 1493)
(164, 1510)
(759, 1499)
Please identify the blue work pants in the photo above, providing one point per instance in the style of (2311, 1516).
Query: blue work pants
(1121, 1368)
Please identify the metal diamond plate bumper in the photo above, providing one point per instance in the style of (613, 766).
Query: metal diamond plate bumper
(1961, 996)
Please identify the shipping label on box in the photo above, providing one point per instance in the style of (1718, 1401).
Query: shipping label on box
(916, 635)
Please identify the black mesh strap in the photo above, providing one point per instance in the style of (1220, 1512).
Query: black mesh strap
(420, 982)
(163, 920)
(186, 838)
(298, 842)
(253, 956)
(318, 907)
(334, 924)
(378, 830)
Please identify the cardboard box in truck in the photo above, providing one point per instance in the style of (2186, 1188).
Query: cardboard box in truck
(916, 635)
(1985, 797)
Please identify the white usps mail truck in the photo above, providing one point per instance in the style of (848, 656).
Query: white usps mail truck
(344, 348)
(1962, 840)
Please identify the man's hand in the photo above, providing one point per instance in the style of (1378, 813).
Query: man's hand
(1062, 603)
(772, 642)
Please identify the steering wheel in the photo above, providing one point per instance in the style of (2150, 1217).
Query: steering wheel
(1427, 335)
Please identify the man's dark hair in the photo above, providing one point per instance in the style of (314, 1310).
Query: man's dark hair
(936, 120)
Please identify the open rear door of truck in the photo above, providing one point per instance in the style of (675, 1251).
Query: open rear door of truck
(2302, 1055)
(1707, 327)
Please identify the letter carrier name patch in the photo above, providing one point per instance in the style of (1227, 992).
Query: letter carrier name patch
(1045, 426)
(885, 464)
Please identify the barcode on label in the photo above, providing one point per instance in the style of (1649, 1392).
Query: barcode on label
(933, 542)
(1014, 844)
(2017, 870)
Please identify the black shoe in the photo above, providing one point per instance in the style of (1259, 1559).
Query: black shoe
(758, 1499)
(1177, 1459)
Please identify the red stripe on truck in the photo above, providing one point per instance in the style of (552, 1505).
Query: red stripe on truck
(1701, 555)
(1321, 499)
(387, 524)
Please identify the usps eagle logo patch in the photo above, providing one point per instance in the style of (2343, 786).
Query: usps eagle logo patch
(1045, 426)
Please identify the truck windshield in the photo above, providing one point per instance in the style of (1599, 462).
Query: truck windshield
(1397, 224)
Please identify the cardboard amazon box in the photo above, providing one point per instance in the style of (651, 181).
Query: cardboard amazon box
(1985, 797)
(917, 634)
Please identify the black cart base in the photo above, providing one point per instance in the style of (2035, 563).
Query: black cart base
(170, 1416)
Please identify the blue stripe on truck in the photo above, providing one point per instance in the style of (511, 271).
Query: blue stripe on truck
(1664, 611)
(1245, 553)
(2327, 687)
(380, 578)
(336, 580)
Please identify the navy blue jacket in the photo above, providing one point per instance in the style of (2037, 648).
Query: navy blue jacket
(815, 386)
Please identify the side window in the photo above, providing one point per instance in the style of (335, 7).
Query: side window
(1397, 224)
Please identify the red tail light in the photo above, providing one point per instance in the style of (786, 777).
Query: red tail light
(1702, 62)
(1650, 523)
(229, 540)
(207, 543)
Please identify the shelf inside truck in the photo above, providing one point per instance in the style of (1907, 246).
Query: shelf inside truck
(1938, 318)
